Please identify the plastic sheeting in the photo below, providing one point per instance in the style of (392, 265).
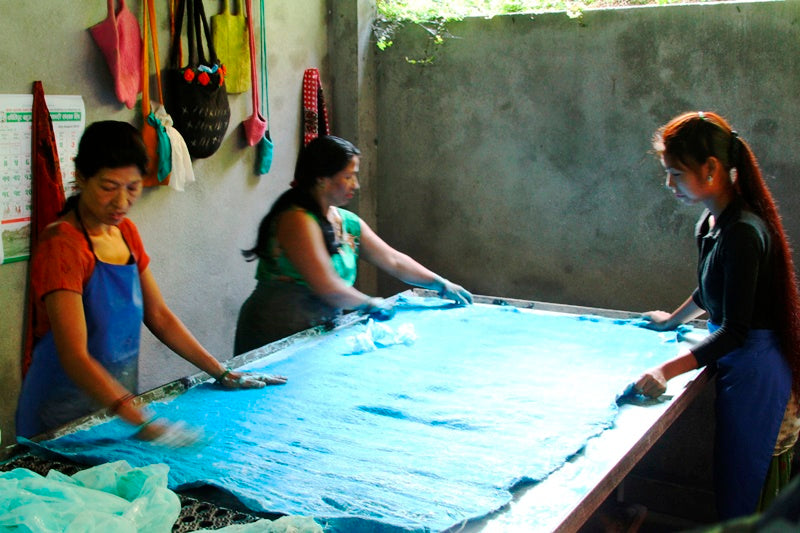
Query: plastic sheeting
(109, 497)
(413, 436)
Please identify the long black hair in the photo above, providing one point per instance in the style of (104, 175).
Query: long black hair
(321, 158)
(107, 144)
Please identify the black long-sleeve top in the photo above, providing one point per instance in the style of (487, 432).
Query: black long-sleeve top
(736, 274)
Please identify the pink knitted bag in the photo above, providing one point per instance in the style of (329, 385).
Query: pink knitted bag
(119, 38)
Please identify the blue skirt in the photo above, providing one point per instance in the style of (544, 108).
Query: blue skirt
(753, 387)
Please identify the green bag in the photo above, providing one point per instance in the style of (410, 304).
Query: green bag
(264, 150)
(230, 39)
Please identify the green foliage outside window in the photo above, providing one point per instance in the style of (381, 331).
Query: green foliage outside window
(429, 10)
(433, 15)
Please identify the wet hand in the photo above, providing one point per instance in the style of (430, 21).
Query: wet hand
(454, 292)
(377, 309)
(169, 434)
(657, 321)
(652, 383)
(244, 380)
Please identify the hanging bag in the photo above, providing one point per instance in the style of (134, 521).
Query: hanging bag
(229, 35)
(118, 37)
(255, 125)
(196, 96)
(315, 114)
(180, 168)
(156, 139)
(264, 148)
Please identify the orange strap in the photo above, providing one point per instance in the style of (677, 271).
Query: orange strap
(154, 33)
(145, 65)
(149, 21)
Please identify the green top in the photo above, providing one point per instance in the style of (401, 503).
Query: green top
(344, 261)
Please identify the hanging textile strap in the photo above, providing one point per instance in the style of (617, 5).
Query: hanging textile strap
(48, 195)
(173, 5)
(263, 64)
(315, 115)
(253, 74)
(255, 125)
(152, 24)
(157, 139)
(265, 148)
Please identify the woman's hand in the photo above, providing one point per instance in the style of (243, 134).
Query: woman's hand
(377, 308)
(658, 321)
(243, 380)
(454, 292)
(169, 434)
(652, 383)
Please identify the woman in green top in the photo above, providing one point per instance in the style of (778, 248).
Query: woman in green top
(308, 248)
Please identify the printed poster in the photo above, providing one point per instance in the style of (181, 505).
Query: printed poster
(69, 119)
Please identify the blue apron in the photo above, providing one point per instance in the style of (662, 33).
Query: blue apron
(112, 305)
(753, 387)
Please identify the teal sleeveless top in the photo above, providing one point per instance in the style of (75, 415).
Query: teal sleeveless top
(345, 261)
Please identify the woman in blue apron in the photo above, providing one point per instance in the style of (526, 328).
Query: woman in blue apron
(746, 284)
(93, 289)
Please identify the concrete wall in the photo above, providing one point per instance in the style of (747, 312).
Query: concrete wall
(193, 237)
(517, 162)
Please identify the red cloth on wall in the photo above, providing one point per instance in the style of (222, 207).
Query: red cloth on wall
(48, 189)
(315, 114)
(47, 192)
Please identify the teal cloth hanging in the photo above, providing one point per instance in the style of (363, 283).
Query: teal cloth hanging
(163, 147)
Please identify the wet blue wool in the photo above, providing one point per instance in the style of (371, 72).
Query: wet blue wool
(408, 437)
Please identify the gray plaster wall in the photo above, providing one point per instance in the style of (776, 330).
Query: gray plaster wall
(517, 162)
(193, 237)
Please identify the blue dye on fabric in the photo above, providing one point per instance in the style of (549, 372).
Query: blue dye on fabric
(415, 437)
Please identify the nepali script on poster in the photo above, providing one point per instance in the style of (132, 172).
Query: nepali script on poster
(68, 115)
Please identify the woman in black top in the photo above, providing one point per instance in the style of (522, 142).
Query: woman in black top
(746, 284)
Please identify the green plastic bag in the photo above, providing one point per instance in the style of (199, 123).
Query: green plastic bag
(110, 497)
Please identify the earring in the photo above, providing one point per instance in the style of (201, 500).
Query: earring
(710, 178)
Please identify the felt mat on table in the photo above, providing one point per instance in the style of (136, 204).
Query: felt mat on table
(410, 437)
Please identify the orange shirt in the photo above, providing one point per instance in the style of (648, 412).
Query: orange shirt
(63, 261)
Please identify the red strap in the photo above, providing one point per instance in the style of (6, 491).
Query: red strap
(253, 75)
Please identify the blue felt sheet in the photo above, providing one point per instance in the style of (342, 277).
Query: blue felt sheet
(407, 437)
